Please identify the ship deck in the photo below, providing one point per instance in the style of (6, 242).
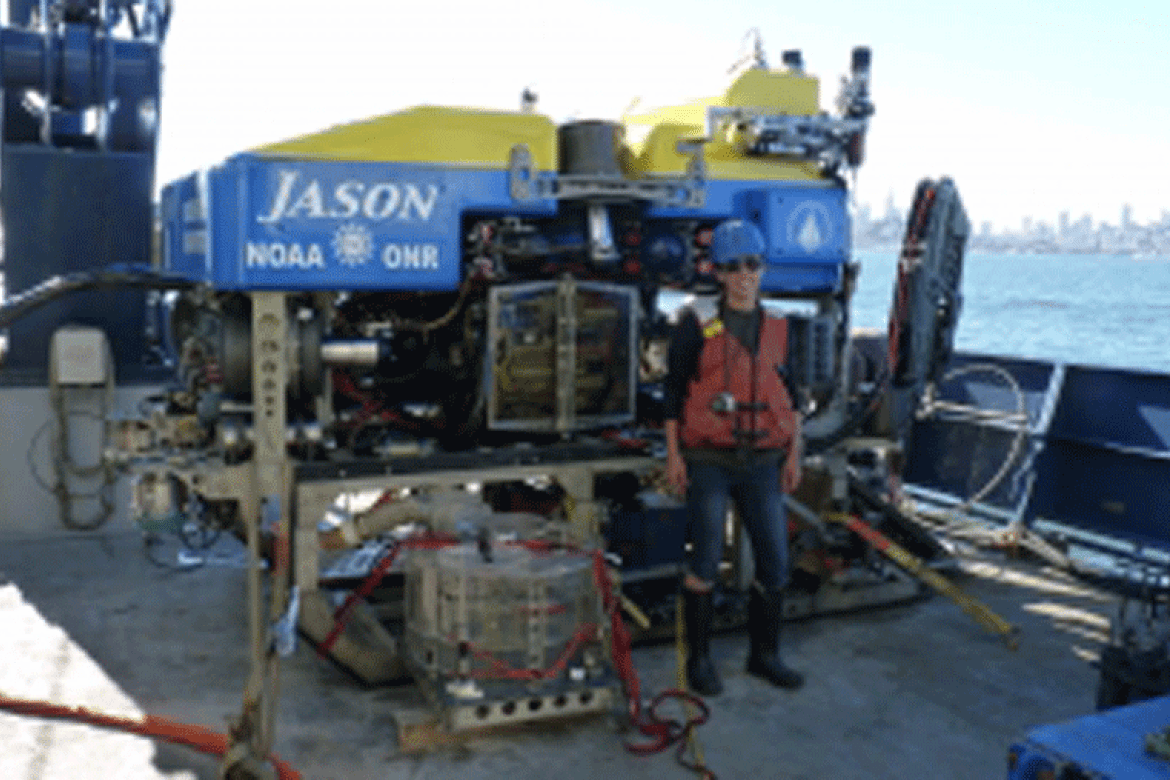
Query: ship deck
(914, 690)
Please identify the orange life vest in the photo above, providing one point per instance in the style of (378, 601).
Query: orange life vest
(763, 415)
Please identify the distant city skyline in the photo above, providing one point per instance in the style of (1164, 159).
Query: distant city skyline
(1080, 234)
(1122, 214)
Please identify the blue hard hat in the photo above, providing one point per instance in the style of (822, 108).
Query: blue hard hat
(733, 239)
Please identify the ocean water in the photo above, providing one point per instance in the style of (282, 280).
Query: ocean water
(1088, 309)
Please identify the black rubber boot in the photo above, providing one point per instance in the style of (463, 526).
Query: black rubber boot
(764, 618)
(702, 676)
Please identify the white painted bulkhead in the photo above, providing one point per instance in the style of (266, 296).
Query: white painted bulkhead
(28, 508)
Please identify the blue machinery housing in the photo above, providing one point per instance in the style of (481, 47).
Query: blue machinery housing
(258, 223)
(1106, 746)
(80, 124)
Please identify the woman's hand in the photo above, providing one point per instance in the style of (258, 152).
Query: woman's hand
(676, 467)
(791, 475)
(676, 472)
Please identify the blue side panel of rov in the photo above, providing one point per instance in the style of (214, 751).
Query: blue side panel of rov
(255, 223)
(1089, 463)
(1105, 746)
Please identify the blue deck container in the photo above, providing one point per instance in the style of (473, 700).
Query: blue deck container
(1106, 746)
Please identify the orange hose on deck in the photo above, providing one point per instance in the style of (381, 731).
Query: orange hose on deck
(199, 738)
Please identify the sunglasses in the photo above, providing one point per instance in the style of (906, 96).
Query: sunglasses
(749, 263)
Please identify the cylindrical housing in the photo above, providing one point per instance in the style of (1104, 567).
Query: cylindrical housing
(589, 148)
(358, 353)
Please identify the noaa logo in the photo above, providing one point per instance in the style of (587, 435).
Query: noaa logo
(352, 245)
(809, 226)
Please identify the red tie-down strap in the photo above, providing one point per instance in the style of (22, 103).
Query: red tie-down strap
(374, 578)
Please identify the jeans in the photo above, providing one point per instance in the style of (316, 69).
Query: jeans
(755, 488)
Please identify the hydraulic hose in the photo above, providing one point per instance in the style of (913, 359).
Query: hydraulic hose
(864, 408)
(59, 286)
(195, 737)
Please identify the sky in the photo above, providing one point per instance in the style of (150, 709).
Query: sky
(1033, 108)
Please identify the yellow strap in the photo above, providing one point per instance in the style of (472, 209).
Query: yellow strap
(976, 609)
(680, 645)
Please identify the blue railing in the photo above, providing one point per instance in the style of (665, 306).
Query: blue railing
(1090, 456)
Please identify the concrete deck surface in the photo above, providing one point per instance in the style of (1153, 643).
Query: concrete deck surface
(917, 690)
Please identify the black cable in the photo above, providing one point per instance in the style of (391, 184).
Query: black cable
(867, 406)
(59, 286)
(67, 459)
(151, 541)
(32, 466)
(132, 16)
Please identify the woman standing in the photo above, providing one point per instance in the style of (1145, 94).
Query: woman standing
(732, 433)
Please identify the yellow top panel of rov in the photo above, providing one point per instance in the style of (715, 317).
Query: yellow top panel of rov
(472, 138)
(484, 139)
(653, 137)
